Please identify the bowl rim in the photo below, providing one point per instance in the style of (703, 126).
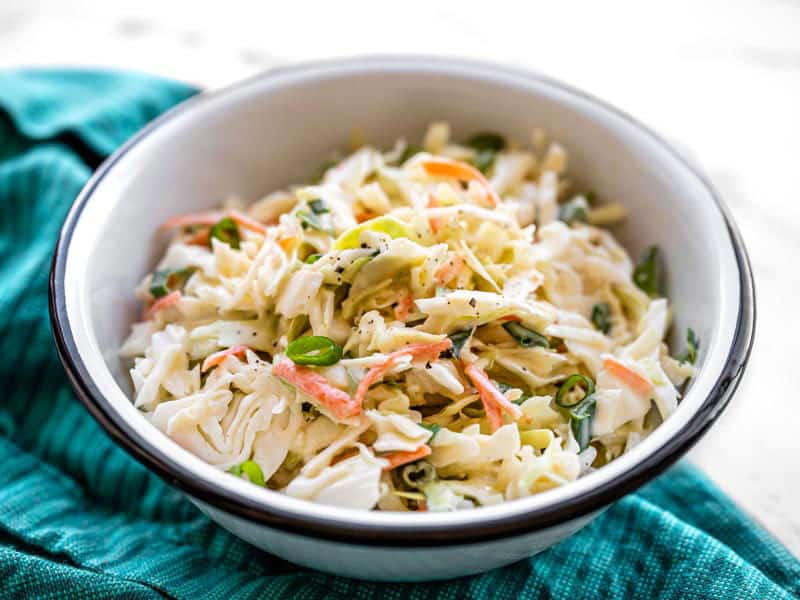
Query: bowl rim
(318, 526)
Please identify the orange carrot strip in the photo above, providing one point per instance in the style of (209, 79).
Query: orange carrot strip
(164, 302)
(199, 238)
(630, 378)
(242, 220)
(398, 459)
(494, 401)
(450, 269)
(286, 243)
(219, 357)
(337, 402)
(514, 318)
(458, 170)
(404, 306)
(377, 372)
(365, 216)
(201, 218)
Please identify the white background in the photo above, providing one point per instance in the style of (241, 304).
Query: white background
(721, 79)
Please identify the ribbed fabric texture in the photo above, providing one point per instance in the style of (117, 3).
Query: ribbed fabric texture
(79, 517)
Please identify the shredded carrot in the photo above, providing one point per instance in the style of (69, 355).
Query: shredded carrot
(632, 379)
(187, 220)
(164, 302)
(199, 238)
(398, 459)
(404, 305)
(494, 401)
(450, 269)
(376, 373)
(286, 243)
(365, 216)
(514, 318)
(337, 402)
(441, 167)
(242, 220)
(219, 357)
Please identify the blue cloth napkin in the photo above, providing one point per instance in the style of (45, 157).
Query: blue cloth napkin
(79, 517)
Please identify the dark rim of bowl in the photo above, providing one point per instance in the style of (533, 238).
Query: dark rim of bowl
(441, 535)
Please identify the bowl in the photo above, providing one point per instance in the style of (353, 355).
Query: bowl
(277, 128)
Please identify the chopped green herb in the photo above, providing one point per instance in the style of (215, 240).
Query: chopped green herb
(484, 160)
(601, 316)
(318, 207)
(692, 345)
(432, 427)
(574, 210)
(487, 140)
(251, 469)
(581, 411)
(646, 273)
(165, 281)
(315, 350)
(225, 230)
(527, 338)
(312, 258)
(459, 338)
(312, 220)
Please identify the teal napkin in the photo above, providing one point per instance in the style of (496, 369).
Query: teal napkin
(79, 517)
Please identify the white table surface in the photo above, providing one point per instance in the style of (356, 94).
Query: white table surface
(720, 78)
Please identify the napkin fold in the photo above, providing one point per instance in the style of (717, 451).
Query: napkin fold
(79, 517)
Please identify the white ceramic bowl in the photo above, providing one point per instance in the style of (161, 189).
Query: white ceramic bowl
(276, 129)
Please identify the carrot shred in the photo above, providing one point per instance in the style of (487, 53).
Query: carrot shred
(404, 305)
(187, 220)
(449, 270)
(337, 402)
(242, 220)
(494, 401)
(463, 172)
(377, 372)
(513, 318)
(165, 302)
(218, 358)
(286, 243)
(631, 378)
(199, 238)
(398, 459)
(365, 216)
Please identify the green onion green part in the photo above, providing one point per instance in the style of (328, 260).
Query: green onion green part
(226, 231)
(527, 338)
(318, 207)
(574, 210)
(484, 160)
(601, 316)
(458, 339)
(432, 427)
(165, 281)
(316, 350)
(251, 469)
(487, 140)
(580, 412)
(312, 258)
(646, 273)
(418, 473)
(311, 220)
(692, 345)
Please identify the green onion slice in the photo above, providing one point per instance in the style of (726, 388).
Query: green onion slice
(311, 220)
(574, 210)
(645, 275)
(432, 427)
(225, 230)
(692, 345)
(312, 258)
(165, 281)
(418, 473)
(251, 469)
(580, 412)
(316, 350)
(601, 316)
(566, 388)
(458, 339)
(487, 140)
(527, 338)
(318, 207)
